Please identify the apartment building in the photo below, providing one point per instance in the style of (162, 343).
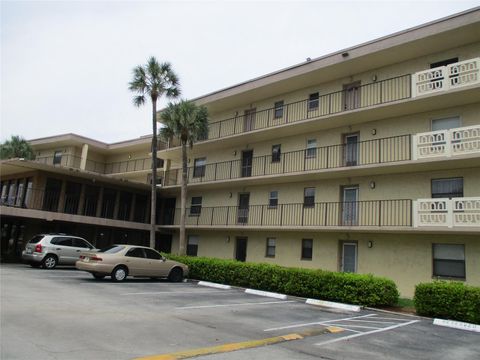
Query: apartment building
(83, 187)
(365, 160)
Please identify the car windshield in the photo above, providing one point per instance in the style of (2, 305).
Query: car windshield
(36, 239)
(112, 249)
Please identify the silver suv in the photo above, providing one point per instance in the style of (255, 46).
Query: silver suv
(50, 250)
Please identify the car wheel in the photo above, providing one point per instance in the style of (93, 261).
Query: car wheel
(176, 275)
(35, 265)
(98, 277)
(119, 273)
(49, 262)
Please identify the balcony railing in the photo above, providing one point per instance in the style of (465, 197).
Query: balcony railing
(72, 203)
(96, 166)
(393, 213)
(444, 78)
(443, 212)
(458, 141)
(380, 92)
(376, 151)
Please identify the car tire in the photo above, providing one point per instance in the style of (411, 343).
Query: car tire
(35, 265)
(120, 273)
(98, 277)
(49, 262)
(176, 275)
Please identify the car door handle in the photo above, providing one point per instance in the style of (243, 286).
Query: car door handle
(58, 249)
(79, 250)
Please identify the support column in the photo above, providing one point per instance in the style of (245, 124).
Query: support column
(83, 160)
(61, 199)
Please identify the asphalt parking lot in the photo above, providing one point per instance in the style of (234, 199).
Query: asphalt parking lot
(66, 314)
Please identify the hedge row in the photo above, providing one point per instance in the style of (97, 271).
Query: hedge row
(448, 300)
(357, 289)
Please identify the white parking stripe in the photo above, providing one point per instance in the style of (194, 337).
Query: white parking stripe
(240, 304)
(366, 333)
(183, 292)
(317, 323)
(355, 326)
(370, 321)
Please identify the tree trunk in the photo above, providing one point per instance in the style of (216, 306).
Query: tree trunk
(182, 241)
(153, 210)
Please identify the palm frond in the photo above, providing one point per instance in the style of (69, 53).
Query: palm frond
(139, 100)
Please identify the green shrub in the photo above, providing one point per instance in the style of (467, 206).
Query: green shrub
(357, 289)
(448, 300)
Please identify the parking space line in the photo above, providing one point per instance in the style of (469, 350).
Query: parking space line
(355, 326)
(238, 304)
(183, 292)
(370, 321)
(365, 333)
(317, 322)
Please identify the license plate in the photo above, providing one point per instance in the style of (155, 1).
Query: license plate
(28, 251)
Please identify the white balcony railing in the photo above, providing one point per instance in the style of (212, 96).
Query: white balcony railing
(444, 78)
(453, 142)
(456, 212)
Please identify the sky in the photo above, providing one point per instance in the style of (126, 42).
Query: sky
(66, 65)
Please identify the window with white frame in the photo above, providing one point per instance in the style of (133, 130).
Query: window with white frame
(192, 245)
(307, 246)
(278, 109)
(276, 153)
(270, 250)
(196, 206)
(309, 197)
(311, 148)
(273, 199)
(313, 101)
(199, 167)
(446, 123)
(449, 260)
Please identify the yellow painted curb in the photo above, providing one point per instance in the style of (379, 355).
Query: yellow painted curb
(235, 346)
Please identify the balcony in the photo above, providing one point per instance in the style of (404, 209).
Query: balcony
(446, 143)
(444, 78)
(430, 145)
(390, 213)
(55, 204)
(428, 82)
(384, 150)
(455, 212)
(73, 161)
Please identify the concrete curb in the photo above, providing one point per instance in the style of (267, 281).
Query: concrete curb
(214, 285)
(457, 325)
(266, 293)
(334, 305)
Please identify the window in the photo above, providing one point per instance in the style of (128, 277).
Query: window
(152, 254)
(199, 167)
(270, 251)
(273, 199)
(446, 123)
(80, 243)
(313, 101)
(192, 245)
(309, 197)
(449, 260)
(196, 206)
(276, 153)
(278, 113)
(443, 62)
(57, 157)
(160, 163)
(311, 148)
(447, 188)
(135, 252)
(61, 241)
(307, 245)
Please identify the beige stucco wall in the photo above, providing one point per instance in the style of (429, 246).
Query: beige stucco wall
(407, 67)
(404, 258)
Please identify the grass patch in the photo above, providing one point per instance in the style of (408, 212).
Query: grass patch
(406, 303)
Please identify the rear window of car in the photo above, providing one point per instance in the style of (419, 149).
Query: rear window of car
(112, 249)
(35, 239)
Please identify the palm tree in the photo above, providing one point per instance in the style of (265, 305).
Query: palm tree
(189, 123)
(16, 147)
(153, 80)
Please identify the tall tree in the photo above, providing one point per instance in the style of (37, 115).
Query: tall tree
(16, 147)
(153, 80)
(188, 123)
